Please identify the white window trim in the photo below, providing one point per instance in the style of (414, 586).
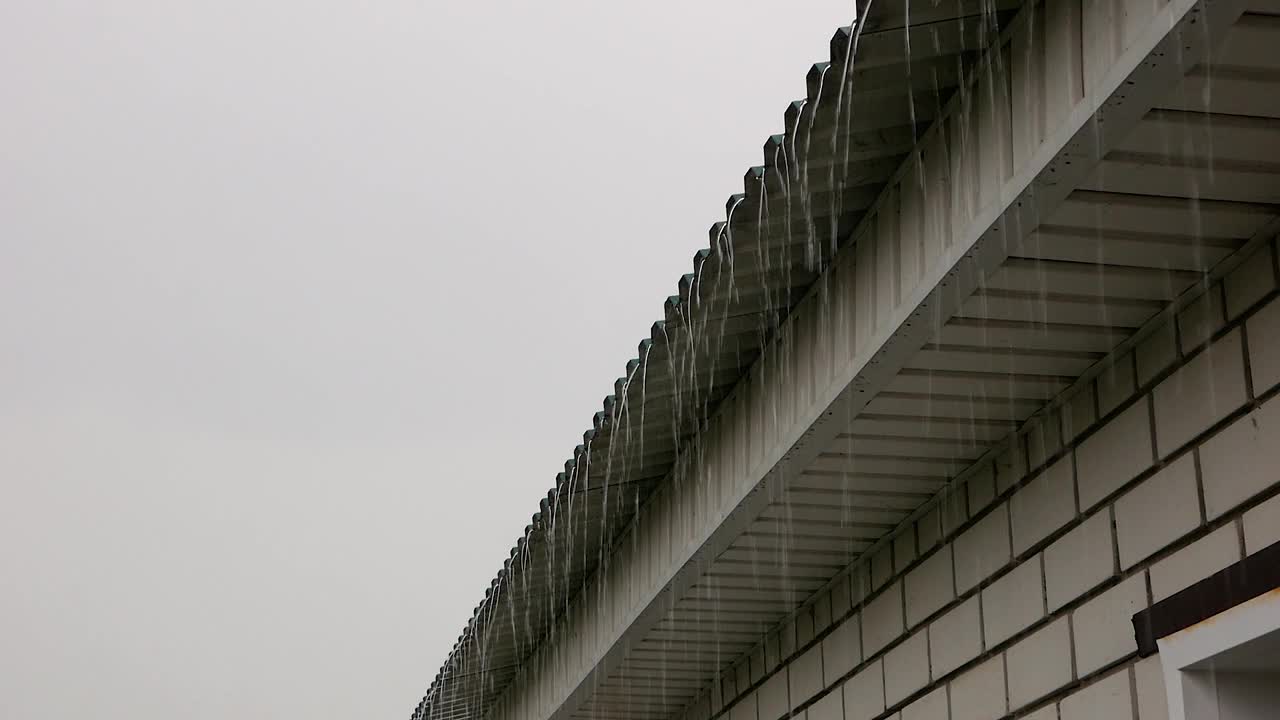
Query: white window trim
(1222, 632)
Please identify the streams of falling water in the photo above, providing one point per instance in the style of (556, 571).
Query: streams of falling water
(578, 473)
(811, 255)
(693, 340)
(683, 370)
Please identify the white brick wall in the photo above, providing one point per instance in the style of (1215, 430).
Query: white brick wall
(841, 650)
(1195, 562)
(1008, 597)
(1039, 664)
(1240, 461)
(1264, 347)
(979, 693)
(1114, 455)
(805, 675)
(1158, 511)
(757, 665)
(904, 551)
(982, 549)
(864, 693)
(1199, 320)
(881, 567)
(929, 530)
(804, 626)
(1103, 629)
(1044, 440)
(1116, 384)
(773, 696)
(906, 668)
(1205, 390)
(785, 639)
(1014, 602)
(1262, 526)
(1078, 414)
(1250, 282)
(1010, 467)
(930, 707)
(745, 709)
(981, 490)
(955, 638)
(1045, 713)
(1156, 353)
(830, 707)
(930, 586)
(882, 620)
(1079, 561)
(1046, 504)
(1110, 698)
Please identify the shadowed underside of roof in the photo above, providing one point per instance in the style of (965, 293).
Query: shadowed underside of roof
(887, 79)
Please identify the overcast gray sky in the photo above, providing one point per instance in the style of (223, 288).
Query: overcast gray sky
(304, 304)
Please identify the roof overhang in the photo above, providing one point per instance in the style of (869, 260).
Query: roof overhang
(742, 408)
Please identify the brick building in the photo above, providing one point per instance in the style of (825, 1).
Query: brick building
(967, 412)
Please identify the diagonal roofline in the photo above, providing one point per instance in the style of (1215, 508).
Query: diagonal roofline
(707, 341)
